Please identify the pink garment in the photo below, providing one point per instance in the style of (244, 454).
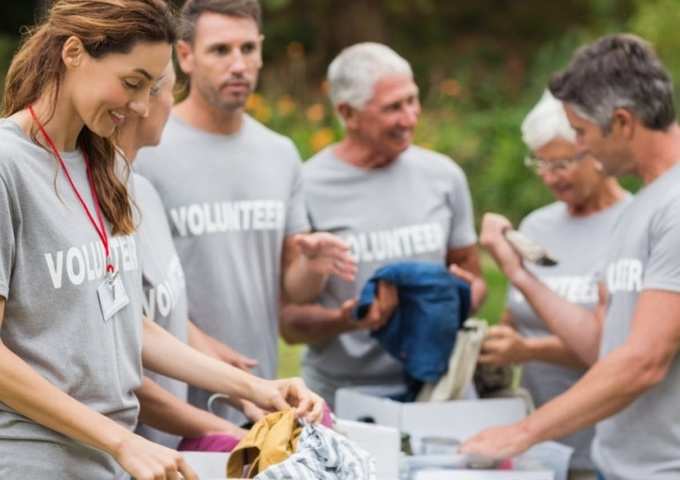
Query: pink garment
(327, 419)
(209, 443)
(226, 443)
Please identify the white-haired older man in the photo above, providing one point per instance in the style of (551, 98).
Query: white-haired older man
(390, 201)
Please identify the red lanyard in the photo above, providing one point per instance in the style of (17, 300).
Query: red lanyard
(101, 228)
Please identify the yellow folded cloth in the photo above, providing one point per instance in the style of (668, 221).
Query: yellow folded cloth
(271, 440)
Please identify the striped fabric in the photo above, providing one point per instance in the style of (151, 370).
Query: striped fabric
(323, 454)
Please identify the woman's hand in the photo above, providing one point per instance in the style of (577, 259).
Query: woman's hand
(145, 460)
(276, 395)
(503, 346)
(492, 238)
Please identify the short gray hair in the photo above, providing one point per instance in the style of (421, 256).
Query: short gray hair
(617, 71)
(546, 122)
(352, 75)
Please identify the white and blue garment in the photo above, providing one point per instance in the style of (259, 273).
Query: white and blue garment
(323, 454)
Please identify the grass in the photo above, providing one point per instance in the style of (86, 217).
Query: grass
(290, 355)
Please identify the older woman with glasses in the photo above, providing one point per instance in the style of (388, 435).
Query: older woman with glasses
(575, 230)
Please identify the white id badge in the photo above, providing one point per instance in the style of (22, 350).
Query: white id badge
(112, 297)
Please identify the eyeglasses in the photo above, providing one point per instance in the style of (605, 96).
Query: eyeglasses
(540, 165)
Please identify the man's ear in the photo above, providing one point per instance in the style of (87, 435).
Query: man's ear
(72, 52)
(348, 115)
(185, 56)
(623, 123)
(260, 45)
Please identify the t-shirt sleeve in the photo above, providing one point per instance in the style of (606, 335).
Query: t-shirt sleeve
(297, 220)
(462, 217)
(7, 240)
(662, 271)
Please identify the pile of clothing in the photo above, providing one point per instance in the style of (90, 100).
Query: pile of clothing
(282, 447)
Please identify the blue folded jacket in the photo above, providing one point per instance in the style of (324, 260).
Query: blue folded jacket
(433, 304)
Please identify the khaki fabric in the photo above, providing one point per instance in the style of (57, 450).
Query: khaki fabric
(462, 365)
(271, 441)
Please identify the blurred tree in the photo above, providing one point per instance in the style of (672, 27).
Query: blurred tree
(657, 21)
(15, 14)
(480, 65)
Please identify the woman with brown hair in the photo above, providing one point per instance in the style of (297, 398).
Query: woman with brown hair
(71, 327)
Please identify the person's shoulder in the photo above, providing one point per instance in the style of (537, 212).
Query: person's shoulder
(176, 130)
(322, 162)
(665, 213)
(432, 160)
(145, 196)
(437, 166)
(175, 134)
(542, 215)
(619, 207)
(266, 136)
(15, 146)
(323, 157)
(141, 185)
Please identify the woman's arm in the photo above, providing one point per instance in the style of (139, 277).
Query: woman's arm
(578, 327)
(165, 354)
(28, 393)
(162, 410)
(203, 342)
(503, 345)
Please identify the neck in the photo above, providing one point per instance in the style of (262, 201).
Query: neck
(602, 198)
(63, 124)
(361, 155)
(200, 114)
(127, 143)
(657, 152)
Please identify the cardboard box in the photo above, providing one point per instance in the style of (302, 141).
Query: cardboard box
(383, 443)
(458, 419)
(208, 465)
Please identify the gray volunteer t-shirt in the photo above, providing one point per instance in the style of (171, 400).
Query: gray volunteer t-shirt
(231, 200)
(643, 440)
(580, 244)
(51, 264)
(165, 299)
(416, 208)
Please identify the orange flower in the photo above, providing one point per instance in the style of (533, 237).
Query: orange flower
(254, 102)
(321, 139)
(450, 87)
(263, 113)
(285, 105)
(316, 112)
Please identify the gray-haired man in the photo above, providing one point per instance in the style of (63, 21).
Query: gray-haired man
(619, 99)
(389, 201)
